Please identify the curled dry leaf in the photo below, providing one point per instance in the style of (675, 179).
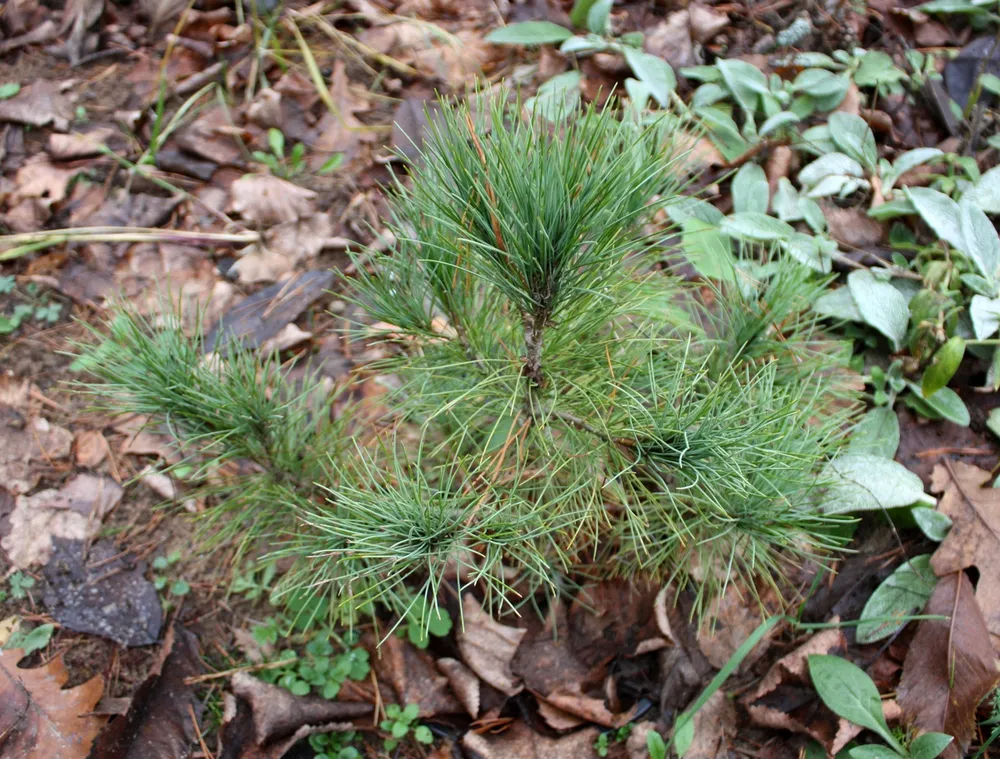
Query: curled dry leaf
(714, 729)
(731, 619)
(951, 665)
(414, 678)
(69, 147)
(73, 512)
(267, 199)
(852, 226)
(40, 720)
(520, 742)
(263, 721)
(706, 22)
(463, 682)
(158, 722)
(488, 647)
(974, 537)
(90, 449)
(40, 179)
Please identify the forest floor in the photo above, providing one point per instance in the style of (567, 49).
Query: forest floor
(234, 154)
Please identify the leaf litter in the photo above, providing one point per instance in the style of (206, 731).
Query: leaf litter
(610, 639)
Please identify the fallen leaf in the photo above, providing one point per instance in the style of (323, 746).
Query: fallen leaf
(730, 619)
(464, 684)
(40, 179)
(852, 226)
(265, 313)
(267, 199)
(671, 40)
(44, 32)
(40, 720)
(78, 16)
(73, 512)
(132, 209)
(951, 665)
(102, 591)
(158, 722)
(210, 136)
(714, 729)
(90, 449)
(520, 742)
(610, 619)
(706, 22)
(39, 104)
(488, 647)
(263, 721)
(785, 699)
(414, 678)
(974, 537)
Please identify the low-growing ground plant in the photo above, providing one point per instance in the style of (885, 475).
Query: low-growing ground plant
(561, 407)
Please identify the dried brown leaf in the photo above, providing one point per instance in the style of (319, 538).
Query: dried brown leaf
(90, 448)
(414, 678)
(39, 104)
(974, 538)
(463, 682)
(268, 199)
(158, 723)
(73, 512)
(40, 720)
(488, 647)
(714, 729)
(519, 742)
(951, 665)
(26, 446)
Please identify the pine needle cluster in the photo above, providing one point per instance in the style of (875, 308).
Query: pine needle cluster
(565, 408)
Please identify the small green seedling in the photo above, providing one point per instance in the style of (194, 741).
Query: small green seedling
(32, 640)
(9, 90)
(20, 585)
(334, 745)
(179, 587)
(399, 723)
(318, 671)
(604, 739)
(656, 746)
(422, 621)
(294, 163)
(255, 582)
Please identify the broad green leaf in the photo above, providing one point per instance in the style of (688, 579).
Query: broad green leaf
(806, 250)
(750, 189)
(638, 94)
(654, 72)
(877, 68)
(786, 201)
(597, 16)
(913, 158)
(686, 207)
(777, 121)
(836, 185)
(837, 164)
(985, 193)
(583, 43)
(757, 227)
(814, 217)
(529, 33)
(902, 594)
(877, 434)
(892, 209)
(581, 10)
(702, 73)
(745, 81)
(946, 361)
(993, 422)
(819, 83)
(853, 136)
(817, 140)
(557, 97)
(931, 522)
(849, 693)
(709, 250)
(929, 745)
(33, 640)
(951, 6)
(709, 93)
(873, 751)
(945, 402)
(723, 132)
(862, 482)
(657, 747)
(940, 212)
(881, 306)
(981, 242)
(838, 304)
